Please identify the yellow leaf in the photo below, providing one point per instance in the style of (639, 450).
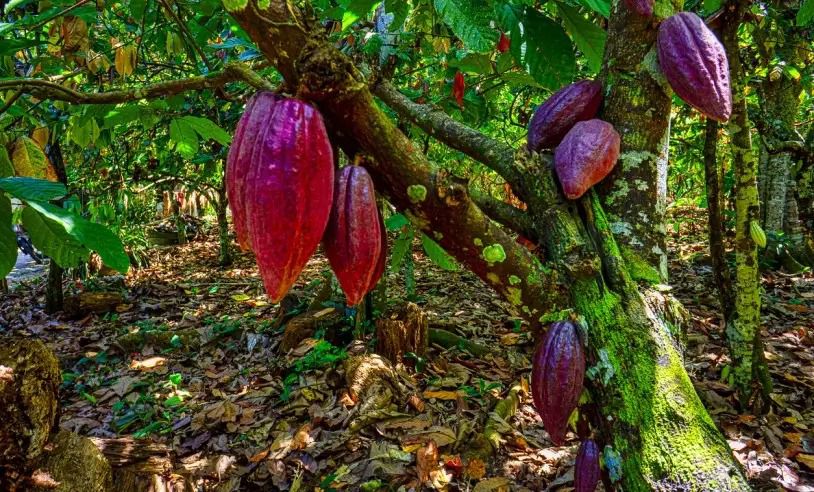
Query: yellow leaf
(240, 297)
(807, 460)
(29, 160)
(442, 395)
(497, 484)
(40, 135)
(149, 365)
(74, 34)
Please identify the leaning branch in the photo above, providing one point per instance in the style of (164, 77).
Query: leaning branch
(45, 89)
(505, 214)
(486, 150)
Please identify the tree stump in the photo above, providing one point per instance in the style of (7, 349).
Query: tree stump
(92, 302)
(400, 331)
(305, 325)
(29, 388)
(76, 464)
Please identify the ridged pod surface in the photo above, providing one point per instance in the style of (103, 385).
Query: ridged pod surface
(586, 469)
(354, 238)
(557, 115)
(585, 156)
(558, 370)
(239, 161)
(641, 7)
(288, 192)
(694, 63)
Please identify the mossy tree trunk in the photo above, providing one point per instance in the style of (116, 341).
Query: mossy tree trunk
(656, 431)
(743, 329)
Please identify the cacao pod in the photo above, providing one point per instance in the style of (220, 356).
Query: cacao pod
(558, 370)
(458, 86)
(641, 7)
(251, 127)
(585, 156)
(694, 63)
(503, 43)
(586, 469)
(353, 239)
(554, 118)
(757, 233)
(288, 191)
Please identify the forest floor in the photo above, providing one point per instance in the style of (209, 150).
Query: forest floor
(188, 367)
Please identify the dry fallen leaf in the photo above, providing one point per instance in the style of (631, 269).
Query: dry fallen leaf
(427, 461)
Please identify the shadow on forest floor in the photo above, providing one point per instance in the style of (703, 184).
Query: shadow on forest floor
(189, 368)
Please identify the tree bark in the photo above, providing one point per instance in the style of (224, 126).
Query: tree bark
(54, 297)
(743, 331)
(225, 257)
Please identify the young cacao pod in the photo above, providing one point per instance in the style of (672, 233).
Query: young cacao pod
(641, 7)
(503, 43)
(585, 156)
(353, 239)
(586, 469)
(694, 63)
(554, 118)
(558, 370)
(251, 126)
(757, 233)
(458, 86)
(288, 192)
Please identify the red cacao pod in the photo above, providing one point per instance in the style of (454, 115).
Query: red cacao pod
(554, 118)
(288, 193)
(557, 373)
(585, 156)
(503, 43)
(382, 263)
(641, 7)
(458, 86)
(586, 469)
(239, 161)
(353, 239)
(694, 63)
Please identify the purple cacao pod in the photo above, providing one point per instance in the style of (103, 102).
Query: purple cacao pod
(586, 468)
(641, 7)
(554, 118)
(353, 239)
(585, 156)
(557, 373)
(288, 193)
(382, 263)
(239, 161)
(694, 63)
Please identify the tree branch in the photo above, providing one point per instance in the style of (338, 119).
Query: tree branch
(45, 89)
(486, 150)
(505, 214)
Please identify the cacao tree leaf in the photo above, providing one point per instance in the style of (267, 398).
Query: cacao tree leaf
(401, 245)
(396, 222)
(33, 189)
(470, 21)
(437, 254)
(51, 238)
(83, 130)
(11, 46)
(588, 37)
(184, 138)
(28, 159)
(88, 234)
(8, 240)
(474, 63)
(207, 129)
(806, 13)
(6, 169)
(356, 9)
(601, 7)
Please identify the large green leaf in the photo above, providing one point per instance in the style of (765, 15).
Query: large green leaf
(6, 169)
(207, 129)
(541, 46)
(184, 138)
(50, 238)
(88, 234)
(356, 9)
(589, 37)
(806, 13)
(469, 20)
(437, 254)
(32, 189)
(601, 7)
(8, 240)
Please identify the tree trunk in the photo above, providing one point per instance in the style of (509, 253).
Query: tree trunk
(656, 432)
(53, 289)
(225, 257)
(743, 330)
(635, 193)
(403, 330)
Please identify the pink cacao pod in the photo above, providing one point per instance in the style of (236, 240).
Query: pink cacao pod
(585, 156)
(239, 161)
(557, 373)
(288, 193)
(586, 469)
(641, 7)
(694, 63)
(557, 115)
(353, 240)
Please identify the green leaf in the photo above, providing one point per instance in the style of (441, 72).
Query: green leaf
(601, 7)
(11, 46)
(208, 129)
(711, 6)
(470, 21)
(474, 63)
(50, 238)
(357, 9)
(184, 138)
(541, 46)
(396, 222)
(6, 169)
(589, 37)
(437, 254)
(8, 240)
(90, 235)
(806, 13)
(83, 131)
(401, 245)
(32, 189)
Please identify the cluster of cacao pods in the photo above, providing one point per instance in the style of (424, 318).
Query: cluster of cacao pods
(586, 148)
(558, 371)
(285, 200)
